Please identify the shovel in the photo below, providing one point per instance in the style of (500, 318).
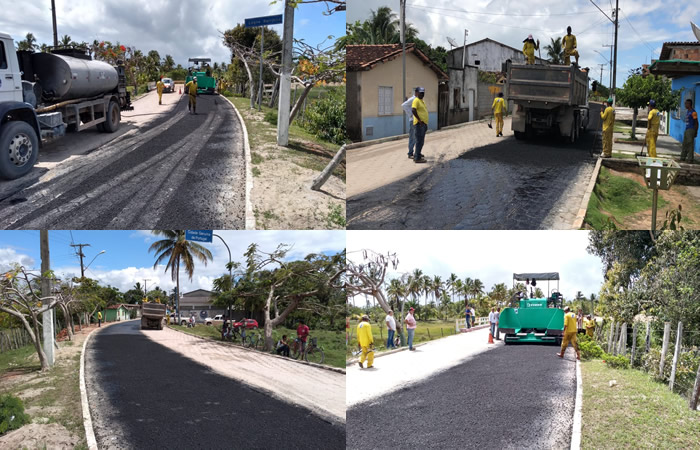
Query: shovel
(489, 124)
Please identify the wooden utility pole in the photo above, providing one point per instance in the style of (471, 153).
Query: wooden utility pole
(285, 75)
(81, 255)
(47, 316)
(55, 29)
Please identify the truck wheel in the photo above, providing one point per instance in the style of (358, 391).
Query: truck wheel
(519, 135)
(111, 123)
(19, 145)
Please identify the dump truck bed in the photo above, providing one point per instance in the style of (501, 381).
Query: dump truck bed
(566, 85)
(153, 310)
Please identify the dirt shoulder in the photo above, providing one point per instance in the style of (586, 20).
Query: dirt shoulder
(281, 196)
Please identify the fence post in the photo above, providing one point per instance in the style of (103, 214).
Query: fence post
(676, 354)
(648, 338)
(634, 342)
(429, 338)
(664, 348)
(616, 337)
(622, 344)
(694, 397)
(443, 334)
(611, 336)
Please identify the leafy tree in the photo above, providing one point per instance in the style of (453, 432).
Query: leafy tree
(639, 89)
(555, 51)
(168, 63)
(65, 40)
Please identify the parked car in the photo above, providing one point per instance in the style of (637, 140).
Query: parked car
(247, 323)
(217, 318)
(169, 85)
(183, 320)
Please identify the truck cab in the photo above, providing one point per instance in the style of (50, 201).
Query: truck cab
(10, 76)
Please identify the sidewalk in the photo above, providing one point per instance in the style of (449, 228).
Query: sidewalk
(665, 144)
(319, 390)
(398, 370)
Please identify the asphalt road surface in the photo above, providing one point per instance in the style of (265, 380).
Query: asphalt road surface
(512, 397)
(143, 395)
(179, 169)
(510, 184)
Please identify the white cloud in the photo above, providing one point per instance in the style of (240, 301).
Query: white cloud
(9, 257)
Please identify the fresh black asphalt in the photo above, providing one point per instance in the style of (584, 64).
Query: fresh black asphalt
(515, 397)
(145, 396)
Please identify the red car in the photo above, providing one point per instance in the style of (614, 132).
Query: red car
(248, 323)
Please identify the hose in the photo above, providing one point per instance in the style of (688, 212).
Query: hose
(65, 103)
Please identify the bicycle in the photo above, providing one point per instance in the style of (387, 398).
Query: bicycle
(231, 335)
(312, 353)
(254, 341)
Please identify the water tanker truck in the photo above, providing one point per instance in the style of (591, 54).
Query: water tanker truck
(44, 95)
(152, 315)
(532, 320)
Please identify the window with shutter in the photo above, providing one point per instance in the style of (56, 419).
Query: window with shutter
(386, 101)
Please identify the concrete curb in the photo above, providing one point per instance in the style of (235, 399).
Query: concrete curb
(87, 419)
(405, 136)
(249, 215)
(576, 428)
(320, 366)
(581, 216)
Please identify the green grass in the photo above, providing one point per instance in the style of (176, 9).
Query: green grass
(619, 196)
(19, 360)
(425, 331)
(335, 216)
(636, 413)
(333, 342)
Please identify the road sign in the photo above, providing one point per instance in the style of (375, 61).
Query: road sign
(262, 21)
(199, 235)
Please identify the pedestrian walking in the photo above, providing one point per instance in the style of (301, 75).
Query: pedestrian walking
(590, 326)
(366, 342)
(498, 319)
(468, 316)
(410, 327)
(492, 322)
(569, 333)
(99, 319)
(498, 108)
(390, 329)
(569, 44)
(420, 123)
(691, 132)
(529, 47)
(191, 89)
(608, 117)
(407, 106)
(159, 88)
(653, 120)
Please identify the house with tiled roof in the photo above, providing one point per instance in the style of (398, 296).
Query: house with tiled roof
(375, 89)
(680, 61)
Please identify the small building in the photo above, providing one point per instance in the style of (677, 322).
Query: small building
(375, 87)
(199, 303)
(680, 61)
(488, 55)
(116, 313)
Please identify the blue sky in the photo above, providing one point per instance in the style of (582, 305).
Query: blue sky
(126, 259)
(644, 25)
(169, 26)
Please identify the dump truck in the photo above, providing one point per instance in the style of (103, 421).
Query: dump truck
(45, 95)
(532, 320)
(547, 99)
(206, 84)
(152, 315)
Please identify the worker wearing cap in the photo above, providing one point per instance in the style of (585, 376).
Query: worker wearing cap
(191, 89)
(691, 132)
(569, 44)
(608, 117)
(529, 47)
(159, 87)
(420, 123)
(407, 106)
(498, 108)
(570, 331)
(410, 327)
(652, 128)
(590, 326)
(366, 342)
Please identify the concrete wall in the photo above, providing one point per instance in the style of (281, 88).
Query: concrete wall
(486, 93)
(389, 74)
(461, 83)
(490, 56)
(691, 89)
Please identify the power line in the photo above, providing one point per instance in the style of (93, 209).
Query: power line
(651, 49)
(502, 14)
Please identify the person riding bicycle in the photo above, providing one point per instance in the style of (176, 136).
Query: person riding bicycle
(283, 346)
(302, 334)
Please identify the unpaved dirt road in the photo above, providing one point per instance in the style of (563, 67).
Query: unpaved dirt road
(168, 168)
(166, 389)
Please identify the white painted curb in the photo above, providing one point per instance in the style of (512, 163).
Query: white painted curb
(87, 419)
(249, 216)
(576, 429)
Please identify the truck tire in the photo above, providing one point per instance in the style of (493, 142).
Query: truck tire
(143, 323)
(112, 117)
(160, 324)
(19, 146)
(519, 135)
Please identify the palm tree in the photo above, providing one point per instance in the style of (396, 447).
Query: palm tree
(499, 293)
(555, 51)
(477, 288)
(176, 249)
(65, 40)
(437, 287)
(467, 289)
(450, 284)
(28, 44)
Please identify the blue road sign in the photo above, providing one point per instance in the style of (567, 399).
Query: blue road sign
(199, 235)
(262, 21)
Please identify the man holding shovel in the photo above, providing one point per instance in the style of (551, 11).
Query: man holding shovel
(498, 108)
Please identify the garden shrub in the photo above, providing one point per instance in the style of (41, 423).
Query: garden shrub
(325, 118)
(617, 362)
(271, 117)
(686, 370)
(590, 349)
(12, 414)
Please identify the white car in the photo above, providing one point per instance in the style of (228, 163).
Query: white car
(217, 318)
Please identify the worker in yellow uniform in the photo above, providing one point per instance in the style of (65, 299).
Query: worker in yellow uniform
(366, 341)
(608, 117)
(652, 128)
(498, 108)
(99, 319)
(569, 44)
(191, 89)
(529, 47)
(570, 331)
(590, 326)
(159, 87)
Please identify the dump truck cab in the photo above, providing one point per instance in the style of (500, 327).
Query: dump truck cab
(533, 320)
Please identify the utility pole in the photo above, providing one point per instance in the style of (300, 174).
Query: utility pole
(601, 73)
(611, 64)
(285, 75)
(47, 317)
(403, 58)
(55, 29)
(614, 80)
(260, 89)
(81, 255)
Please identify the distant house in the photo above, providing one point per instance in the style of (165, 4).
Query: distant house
(375, 87)
(116, 313)
(680, 61)
(488, 55)
(199, 303)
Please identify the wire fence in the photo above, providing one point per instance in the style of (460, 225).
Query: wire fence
(13, 339)
(662, 349)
